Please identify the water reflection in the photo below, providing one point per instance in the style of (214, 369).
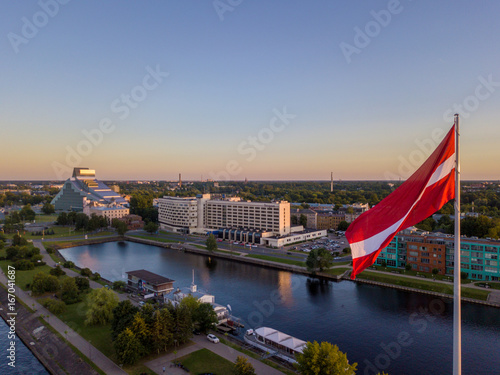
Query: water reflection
(356, 317)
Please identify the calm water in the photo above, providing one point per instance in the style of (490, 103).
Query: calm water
(26, 362)
(379, 328)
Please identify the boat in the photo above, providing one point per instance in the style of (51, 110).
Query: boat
(275, 343)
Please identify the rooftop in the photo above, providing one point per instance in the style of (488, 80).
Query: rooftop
(150, 277)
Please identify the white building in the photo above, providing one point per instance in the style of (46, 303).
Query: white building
(109, 211)
(202, 213)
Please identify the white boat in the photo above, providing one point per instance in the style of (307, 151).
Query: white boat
(275, 343)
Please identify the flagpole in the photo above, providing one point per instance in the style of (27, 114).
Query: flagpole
(457, 313)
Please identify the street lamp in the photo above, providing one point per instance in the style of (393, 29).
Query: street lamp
(90, 349)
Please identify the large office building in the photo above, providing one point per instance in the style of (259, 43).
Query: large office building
(84, 185)
(424, 252)
(202, 213)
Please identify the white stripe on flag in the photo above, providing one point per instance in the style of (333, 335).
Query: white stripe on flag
(442, 171)
(373, 243)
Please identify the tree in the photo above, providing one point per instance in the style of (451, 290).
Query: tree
(128, 348)
(17, 240)
(408, 267)
(101, 304)
(96, 276)
(123, 315)
(243, 367)
(383, 263)
(48, 209)
(69, 291)
(62, 219)
(205, 316)
(464, 275)
(435, 271)
(428, 224)
(151, 227)
(119, 284)
(303, 220)
(293, 219)
(120, 226)
(343, 225)
(12, 252)
(81, 221)
(57, 271)
(182, 323)
(82, 283)
(324, 358)
(346, 250)
(161, 331)
(141, 330)
(319, 259)
(211, 243)
(86, 272)
(44, 283)
(27, 213)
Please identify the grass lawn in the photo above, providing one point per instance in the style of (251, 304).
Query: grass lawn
(278, 260)
(424, 275)
(475, 293)
(492, 284)
(337, 271)
(74, 316)
(200, 247)
(153, 238)
(45, 218)
(205, 361)
(341, 263)
(24, 277)
(423, 285)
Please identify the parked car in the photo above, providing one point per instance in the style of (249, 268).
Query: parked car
(213, 338)
(219, 239)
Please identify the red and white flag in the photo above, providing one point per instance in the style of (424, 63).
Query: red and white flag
(424, 193)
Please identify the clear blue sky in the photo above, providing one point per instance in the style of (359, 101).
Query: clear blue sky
(230, 71)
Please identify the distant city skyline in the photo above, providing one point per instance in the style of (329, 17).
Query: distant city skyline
(282, 90)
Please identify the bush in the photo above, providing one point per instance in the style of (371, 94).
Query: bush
(464, 275)
(86, 272)
(35, 258)
(57, 271)
(12, 252)
(68, 264)
(38, 264)
(54, 306)
(96, 277)
(69, 291)
(82, 283)
(23, 265)
(408, 267)
(117, 285)
(50, 250)
(44, 283)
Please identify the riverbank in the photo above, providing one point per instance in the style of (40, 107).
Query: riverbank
(343, 274)
(50, 349)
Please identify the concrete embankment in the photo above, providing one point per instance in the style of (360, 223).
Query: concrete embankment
(54, 354)
(236, 257)
(415, 290)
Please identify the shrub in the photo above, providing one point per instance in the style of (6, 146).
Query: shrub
(117, 285)
(68, 264)
(57, 271)
(86, 272)
(96, 277)
(23, 265)
(44, 283)
(54, 306)
(69, 291)
(82, 283)
(50, 250)
(12, 252)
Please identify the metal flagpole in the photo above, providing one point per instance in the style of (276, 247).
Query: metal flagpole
(457, 313)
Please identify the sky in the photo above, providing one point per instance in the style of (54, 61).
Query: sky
(235, 89)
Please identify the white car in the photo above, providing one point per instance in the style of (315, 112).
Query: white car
(213, 338)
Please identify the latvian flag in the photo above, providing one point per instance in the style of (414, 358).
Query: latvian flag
(424, 193)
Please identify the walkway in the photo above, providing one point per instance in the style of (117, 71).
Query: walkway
(201, 342)
(103, 362)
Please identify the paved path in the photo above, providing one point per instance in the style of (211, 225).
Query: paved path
(201, 342)
(103, 362)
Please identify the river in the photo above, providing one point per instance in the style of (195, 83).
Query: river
(379, 328)
(25, 361)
